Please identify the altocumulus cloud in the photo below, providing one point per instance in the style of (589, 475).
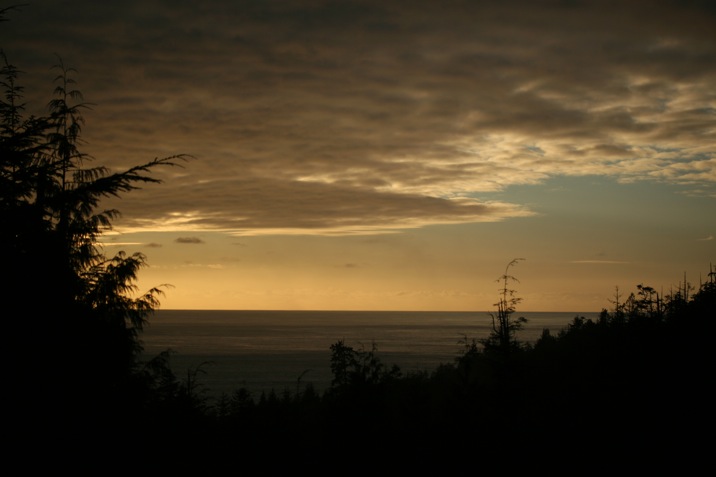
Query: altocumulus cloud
(371, 116)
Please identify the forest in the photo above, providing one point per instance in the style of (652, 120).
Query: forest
(635, 385)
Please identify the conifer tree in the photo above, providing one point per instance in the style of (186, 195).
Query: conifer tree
(74, 315)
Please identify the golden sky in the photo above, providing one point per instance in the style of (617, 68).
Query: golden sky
(391, 155)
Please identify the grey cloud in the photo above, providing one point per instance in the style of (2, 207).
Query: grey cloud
(256, 206)
(190, 240)
(368, 115)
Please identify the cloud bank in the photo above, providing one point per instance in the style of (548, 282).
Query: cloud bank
(372, 116)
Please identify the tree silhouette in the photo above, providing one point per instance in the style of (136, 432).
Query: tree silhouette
(504, 327)
(74, 315)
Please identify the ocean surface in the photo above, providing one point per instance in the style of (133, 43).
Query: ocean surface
(285, 350)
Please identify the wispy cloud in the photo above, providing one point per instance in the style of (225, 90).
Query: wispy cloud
(706, 239)
(599, 262)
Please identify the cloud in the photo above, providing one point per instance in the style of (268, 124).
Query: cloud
(599, 262)
(273, 206)
(368, 116)
(706, 239)
(189, 240)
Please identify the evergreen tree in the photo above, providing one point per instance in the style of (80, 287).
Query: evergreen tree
(72, 314)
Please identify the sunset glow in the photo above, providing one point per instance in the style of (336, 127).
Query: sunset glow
(378, 155)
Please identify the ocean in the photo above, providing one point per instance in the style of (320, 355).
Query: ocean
(286, 350)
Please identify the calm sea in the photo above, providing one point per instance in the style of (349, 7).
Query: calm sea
(279, 350)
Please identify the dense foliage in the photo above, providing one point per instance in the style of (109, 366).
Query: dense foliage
(637, 380)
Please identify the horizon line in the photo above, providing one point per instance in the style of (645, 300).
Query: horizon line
(367, 311)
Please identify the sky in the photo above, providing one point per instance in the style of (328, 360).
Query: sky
(391, 155)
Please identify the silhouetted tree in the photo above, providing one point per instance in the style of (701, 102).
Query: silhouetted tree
(74, 315)
(502, 338)
(351, 367)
